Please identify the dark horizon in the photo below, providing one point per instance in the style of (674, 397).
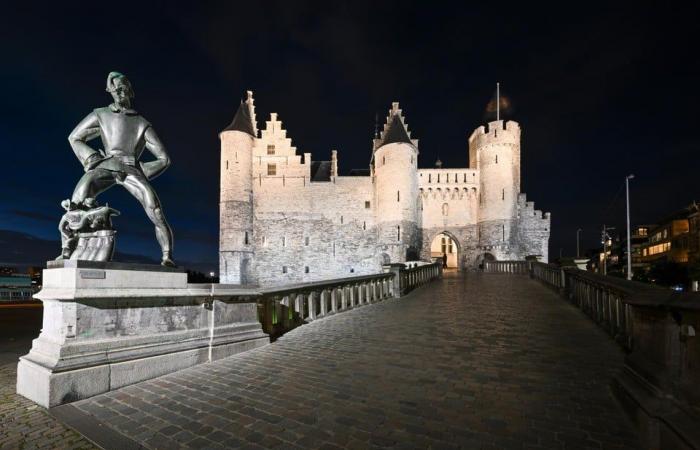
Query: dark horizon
(599, 93)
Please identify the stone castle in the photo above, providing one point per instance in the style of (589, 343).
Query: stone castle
(285, 218)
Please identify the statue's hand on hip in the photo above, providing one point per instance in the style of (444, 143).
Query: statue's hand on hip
(93, 160)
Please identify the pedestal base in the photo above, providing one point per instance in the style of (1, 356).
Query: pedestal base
(105, 328)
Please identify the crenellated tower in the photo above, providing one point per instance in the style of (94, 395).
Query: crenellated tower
(394, 167)
(236, 250)
(495, 153)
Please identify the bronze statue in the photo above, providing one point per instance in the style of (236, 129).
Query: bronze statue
(125, 134)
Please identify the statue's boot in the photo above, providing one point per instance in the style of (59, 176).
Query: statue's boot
(167, 261)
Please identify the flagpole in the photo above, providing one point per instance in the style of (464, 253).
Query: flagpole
(498, 101)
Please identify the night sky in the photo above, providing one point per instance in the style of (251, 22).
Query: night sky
(599, 92)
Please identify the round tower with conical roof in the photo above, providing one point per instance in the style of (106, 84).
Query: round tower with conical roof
(495, 152)
(395, 163)
(236, 248)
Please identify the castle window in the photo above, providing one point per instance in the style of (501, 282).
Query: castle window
(367, 204)
(333, 248)
(445, 209)
(503, 194)
(227, 164)
(306, 269)
(496, 159)
(284, 241)
(438, 178)
(270, 149)
(383, 160)
(503, 230)
(398, 196)
(264, 241)
(398, 233)
(364, 225)
(306, 241)
(411, 159)
(272, 169)
(443, 246)
(341, 219)
(465, 177)
(245, 238)
(430, 178)
(284, 269)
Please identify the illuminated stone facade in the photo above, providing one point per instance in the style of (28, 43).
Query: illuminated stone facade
(285, 218)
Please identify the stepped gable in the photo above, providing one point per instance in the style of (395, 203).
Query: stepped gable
(395, 129)
(244, 120)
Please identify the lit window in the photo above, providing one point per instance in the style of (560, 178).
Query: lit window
(270, 149)
(272, 169)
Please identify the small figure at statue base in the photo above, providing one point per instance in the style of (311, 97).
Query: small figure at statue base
(86, 231)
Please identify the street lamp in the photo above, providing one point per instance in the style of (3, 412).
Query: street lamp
(629, 243)
(578, 252)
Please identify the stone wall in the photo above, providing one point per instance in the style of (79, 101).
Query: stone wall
(313, 231)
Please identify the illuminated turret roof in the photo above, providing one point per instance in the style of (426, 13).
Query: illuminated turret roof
(244, 120)
(395, 129)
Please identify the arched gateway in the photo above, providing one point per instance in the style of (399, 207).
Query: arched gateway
(444, 245)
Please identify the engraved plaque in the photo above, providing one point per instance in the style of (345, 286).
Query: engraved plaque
(93, 274)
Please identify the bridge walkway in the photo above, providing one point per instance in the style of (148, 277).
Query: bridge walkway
(469, 361)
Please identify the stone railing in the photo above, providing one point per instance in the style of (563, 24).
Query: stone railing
(517, 267)
(283, 308)
(108, 325)
(657, 327)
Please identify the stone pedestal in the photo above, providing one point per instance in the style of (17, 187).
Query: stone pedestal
(107, 325)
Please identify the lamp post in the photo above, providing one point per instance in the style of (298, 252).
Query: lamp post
(578, 247)
(629, 243)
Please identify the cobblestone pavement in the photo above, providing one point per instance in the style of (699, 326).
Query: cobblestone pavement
(471, 361)
(24, 425)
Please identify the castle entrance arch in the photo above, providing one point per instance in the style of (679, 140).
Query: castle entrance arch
(444, 244)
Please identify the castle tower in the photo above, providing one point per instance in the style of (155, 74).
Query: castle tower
(236, 196)
(495, 152)
(395, 162)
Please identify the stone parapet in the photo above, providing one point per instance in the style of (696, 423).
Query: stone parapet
(104, 328)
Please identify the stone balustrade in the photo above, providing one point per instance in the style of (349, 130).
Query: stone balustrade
(517, 267)
(657, 328)
(283, 308)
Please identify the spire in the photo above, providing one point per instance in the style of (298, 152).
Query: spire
(395, 129)
(244, 120)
